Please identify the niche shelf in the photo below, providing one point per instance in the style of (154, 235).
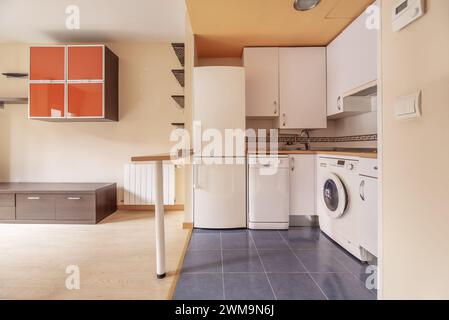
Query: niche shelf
(179, 51)
(179, 75)
(179, 100)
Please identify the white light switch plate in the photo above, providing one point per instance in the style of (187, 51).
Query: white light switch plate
(408, 106)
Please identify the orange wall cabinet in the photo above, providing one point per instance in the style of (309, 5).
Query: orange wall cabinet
(83, 87)
(47, 63)
(47, 100)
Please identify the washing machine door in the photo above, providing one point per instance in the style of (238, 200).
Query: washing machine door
(334, 196)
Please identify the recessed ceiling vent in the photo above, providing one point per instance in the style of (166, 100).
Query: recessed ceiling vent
(304, 5)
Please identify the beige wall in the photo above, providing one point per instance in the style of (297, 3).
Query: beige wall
(89, 152)
(415, 171)
(190, 61)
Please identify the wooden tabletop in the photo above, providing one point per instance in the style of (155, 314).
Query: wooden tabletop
(35, 187)
(165, 156)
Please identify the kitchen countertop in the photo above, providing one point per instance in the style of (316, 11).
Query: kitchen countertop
(360, 154)
(49, 187)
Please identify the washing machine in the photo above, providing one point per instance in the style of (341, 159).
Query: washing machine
(337, 189)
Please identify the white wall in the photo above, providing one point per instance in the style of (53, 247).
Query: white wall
(415, 157)
(34, 150)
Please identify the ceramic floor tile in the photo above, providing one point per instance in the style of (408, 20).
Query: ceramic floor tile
(205, 241)
(268, 240)
(295, 286)
(342, 286)
(241, 261)
(320, 261)
(280, 261)
(231, 241)
(307, 239)
(247, 286)
(199, 287)
(202, 262)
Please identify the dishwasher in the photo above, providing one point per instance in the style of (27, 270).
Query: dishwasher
(268, 192)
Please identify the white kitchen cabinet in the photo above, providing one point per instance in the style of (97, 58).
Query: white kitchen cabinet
(367, 205)
(302, 185)
(262, 81)
(302, 88)
(351, 63)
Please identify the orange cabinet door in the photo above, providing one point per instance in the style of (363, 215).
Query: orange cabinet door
(85, 100)
(47, 63)
(47, 100)
(85, 63)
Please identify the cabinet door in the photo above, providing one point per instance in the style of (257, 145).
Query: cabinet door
(46, 100)
(302, 185)
(351, 61)
(368, 214)
(85, 62)
(47, 63)
(85, 100)
(302, 86)
(219, 195)
(262, 81)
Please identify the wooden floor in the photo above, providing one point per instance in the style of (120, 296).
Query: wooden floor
(116, 258)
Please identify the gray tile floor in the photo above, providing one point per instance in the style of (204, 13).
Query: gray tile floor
(297, 264)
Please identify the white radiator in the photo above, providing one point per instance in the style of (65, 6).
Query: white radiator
(139, 184)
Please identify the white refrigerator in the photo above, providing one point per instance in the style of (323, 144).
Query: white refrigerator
(219, 195)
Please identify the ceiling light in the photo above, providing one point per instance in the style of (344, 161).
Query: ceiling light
(304, 5)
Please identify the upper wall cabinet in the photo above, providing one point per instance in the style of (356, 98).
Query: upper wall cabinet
(73, 83)
(351, 64)
(85, 62)
(302, 87)
(47, 63)
(262, 82)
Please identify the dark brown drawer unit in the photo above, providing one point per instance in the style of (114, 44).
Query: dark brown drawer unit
(84, 203)
(37, 206)
(7, 206)
(75, 206)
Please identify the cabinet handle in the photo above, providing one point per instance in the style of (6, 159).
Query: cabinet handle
(33, 198)
(362, 190)
(285, 121)
(275, 107)
(74, 198)
(339, 103)
(195, 176)
(292, 163)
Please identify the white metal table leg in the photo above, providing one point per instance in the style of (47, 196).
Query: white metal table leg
(159, 220)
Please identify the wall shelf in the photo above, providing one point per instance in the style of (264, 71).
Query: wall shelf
(179, 51)
(15, 75)
(5, 101)
(179, 100)
(179, 75)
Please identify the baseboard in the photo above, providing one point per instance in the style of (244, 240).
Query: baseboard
(187, 225)
(175, 207)
(304, 221)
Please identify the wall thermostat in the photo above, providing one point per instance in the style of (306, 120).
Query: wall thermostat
(405, 12)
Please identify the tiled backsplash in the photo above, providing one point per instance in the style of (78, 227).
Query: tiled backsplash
(297, 139)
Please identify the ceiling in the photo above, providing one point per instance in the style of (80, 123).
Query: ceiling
(43, 21)
(223, 28)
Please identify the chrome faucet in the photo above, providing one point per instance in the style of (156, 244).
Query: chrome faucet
(306, 132)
